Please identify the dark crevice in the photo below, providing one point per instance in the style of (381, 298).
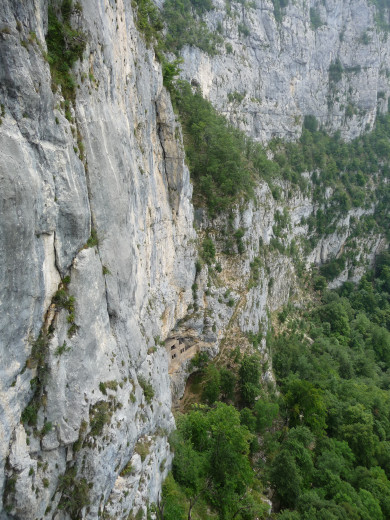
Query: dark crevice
(160, 137)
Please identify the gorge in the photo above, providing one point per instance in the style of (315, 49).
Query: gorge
(110, 253)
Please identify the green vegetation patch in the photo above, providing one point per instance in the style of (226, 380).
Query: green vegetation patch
(213, 438)
(315, 18)
(279, 5)
(111, 385)
(75, 493)
(208, 250)
(99, 415)
(208, 443)
(216, 152)
(335, 71)
(127, 470)
(62, 300)
(332, 363)
(37, 359)
(184, 25)
(148, 20)
(93, 240)
(147, 389)
(142, 448)
(333, 268)
(65, 46)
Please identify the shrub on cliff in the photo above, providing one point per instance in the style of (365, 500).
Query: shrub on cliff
(65, 46)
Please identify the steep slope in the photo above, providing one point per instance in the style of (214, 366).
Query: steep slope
(276, 65)
(129, 288)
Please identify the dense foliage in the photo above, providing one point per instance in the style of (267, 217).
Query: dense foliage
(224, 164)
(212, 475)
(322, 444)
(216, 152)
(333, 367)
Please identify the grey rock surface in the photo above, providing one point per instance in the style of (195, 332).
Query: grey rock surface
(281, 67)
(133, 189)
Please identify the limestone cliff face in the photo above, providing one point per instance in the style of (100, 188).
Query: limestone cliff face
(98, 246)
(133, 189)
(276, 71)
(233, 304)
(326, 58)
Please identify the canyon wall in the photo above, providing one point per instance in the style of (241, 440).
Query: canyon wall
(323, 58)
(99, 239)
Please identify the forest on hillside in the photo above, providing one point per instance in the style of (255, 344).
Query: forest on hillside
(319, 443)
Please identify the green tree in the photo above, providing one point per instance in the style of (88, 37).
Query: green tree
(170, 71)
(229, 448)
(172, 505)
(266, 412)
(248, 419)
(371, 505)
(305, 405)
(228, 383)
(285, 478)
(380, 341)
(204, 467)
(249, 379)
(208, 250)
(212, 385)
(336, 314)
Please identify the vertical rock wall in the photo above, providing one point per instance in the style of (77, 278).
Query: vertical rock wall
(277, 69)
(133, 188)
